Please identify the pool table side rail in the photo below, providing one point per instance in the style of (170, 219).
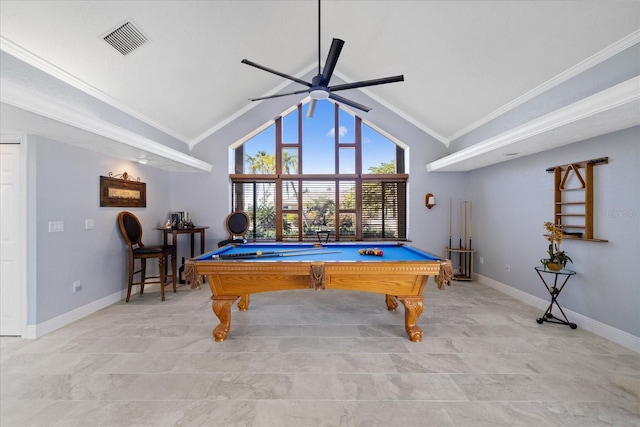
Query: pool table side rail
(250, 277)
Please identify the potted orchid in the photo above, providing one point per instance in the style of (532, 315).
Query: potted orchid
(557, 259)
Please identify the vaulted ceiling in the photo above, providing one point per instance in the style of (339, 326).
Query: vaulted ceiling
(464, 62)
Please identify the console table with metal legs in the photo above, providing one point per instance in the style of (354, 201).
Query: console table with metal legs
(554, 291)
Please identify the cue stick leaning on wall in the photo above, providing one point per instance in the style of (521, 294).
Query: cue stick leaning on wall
(460, 228)
(470, 231)
(450, 218)
(465, 236)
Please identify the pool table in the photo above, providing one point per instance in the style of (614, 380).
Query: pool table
(399, 272)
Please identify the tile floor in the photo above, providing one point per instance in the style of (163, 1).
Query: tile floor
(330, 358)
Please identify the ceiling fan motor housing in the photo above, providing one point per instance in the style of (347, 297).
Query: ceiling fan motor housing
(319, 87)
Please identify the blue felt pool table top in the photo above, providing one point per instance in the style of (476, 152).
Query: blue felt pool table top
(328, 252)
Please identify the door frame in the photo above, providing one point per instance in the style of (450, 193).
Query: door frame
(21, 140)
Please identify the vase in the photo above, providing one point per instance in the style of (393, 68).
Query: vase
(553, 266)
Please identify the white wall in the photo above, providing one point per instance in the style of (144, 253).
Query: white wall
(64, 186)
(513, 199)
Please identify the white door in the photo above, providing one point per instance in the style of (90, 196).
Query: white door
(10, 241)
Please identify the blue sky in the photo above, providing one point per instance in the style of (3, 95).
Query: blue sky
(318, 133)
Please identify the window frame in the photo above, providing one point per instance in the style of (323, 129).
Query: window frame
(357, 178)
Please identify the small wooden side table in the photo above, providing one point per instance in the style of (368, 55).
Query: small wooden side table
(554, 291)
(191, 231)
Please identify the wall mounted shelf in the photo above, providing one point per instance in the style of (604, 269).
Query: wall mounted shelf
(573, 198)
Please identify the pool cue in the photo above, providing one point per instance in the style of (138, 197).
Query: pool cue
(460, 225)
(270, 255)
(465, 236)
(465, 224)
(470, 222)
(450, 213)
(460, 237)
(260, 253)
(470, 231)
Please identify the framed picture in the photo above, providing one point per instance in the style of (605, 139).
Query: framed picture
(175, 219)
(122, 193)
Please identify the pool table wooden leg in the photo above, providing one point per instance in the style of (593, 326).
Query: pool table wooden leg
(221, 306)
(243, 304)
(412, 310)
(391, 301)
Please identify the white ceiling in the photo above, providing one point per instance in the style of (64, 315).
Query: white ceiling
(463, 61)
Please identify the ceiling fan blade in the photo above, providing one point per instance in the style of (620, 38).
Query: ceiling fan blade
(312, 108)
(366, 83)
(332, 60)
(277, 73)
(278, 95)
(345, 101)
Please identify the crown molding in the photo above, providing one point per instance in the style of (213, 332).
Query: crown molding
(616, 96)
(608, 52)
(40, 104)
(35, 61)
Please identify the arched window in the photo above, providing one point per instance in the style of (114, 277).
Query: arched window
(332, 172)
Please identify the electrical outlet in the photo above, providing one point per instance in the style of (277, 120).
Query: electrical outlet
(481, 260)
(508, 268)
(77, 286)
(56, 226)
(88, 224)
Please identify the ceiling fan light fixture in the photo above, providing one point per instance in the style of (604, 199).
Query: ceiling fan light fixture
(319, 94)
(319, 87)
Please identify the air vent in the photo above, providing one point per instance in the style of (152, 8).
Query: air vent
(126, 38)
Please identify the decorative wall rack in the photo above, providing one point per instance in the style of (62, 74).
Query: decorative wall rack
(573, 198)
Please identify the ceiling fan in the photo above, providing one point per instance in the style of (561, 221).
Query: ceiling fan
(319, 87)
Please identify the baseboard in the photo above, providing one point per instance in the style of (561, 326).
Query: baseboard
(36, 331)
(616, 335)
